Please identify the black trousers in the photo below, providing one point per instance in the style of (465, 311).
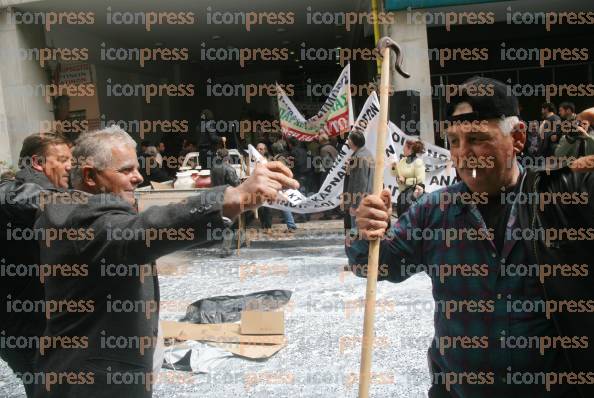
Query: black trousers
(265, 217)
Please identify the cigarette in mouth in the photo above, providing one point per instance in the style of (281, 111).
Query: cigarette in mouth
(473, 173)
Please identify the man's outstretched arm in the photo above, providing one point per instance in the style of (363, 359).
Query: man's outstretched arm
(161, 230)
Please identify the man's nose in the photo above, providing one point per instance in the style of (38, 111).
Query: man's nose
(136, 177)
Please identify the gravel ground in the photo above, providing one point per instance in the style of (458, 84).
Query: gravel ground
(323, 324)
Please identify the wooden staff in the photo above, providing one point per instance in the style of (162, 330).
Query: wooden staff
(350, 102)
(249, 172)
(239, 233)
(384, 45)
(241, 166)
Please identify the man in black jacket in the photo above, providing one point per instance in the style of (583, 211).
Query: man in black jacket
(221, 172)
(513, 279)
(104, 319)
(45, 162)
(358, 178)
(208, 139)
(550, 130)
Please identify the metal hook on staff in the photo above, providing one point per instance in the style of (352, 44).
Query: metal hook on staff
(387, 42)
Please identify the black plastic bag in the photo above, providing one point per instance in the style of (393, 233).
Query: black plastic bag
(224, 309)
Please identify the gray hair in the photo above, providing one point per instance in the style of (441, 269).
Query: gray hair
(507, 124)
(94, 149)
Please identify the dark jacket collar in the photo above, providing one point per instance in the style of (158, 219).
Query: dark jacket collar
(28, 175)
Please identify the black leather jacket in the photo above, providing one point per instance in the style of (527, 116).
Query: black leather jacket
(19, 205)
(574, 223)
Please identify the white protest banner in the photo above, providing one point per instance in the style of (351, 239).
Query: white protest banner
(439, 173)
(328, 197)
(334, 118)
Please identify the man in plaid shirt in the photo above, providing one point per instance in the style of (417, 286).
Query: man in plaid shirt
(492, 331)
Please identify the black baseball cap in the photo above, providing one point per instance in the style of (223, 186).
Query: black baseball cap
(489, 99)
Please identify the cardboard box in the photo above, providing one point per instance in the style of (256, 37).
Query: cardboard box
(227, 337)
(262, 322)
(215, 332)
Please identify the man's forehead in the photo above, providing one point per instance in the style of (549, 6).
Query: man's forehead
(468, 126)
(123, 155)
(58, 150)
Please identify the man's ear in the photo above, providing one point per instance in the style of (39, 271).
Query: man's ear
(518, 135)
(89, 174)
(37, 162)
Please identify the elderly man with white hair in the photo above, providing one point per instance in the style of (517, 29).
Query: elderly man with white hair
(104, 326)
(509, 252)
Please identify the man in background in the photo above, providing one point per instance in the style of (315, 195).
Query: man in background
(222, 173)
(328, 155)
(280, 154)
(303, 169)
(190, 146)
(144, 144)
(161, 147)
(151, 166)
(208, 139)
(579, 141)
(531, 149)
(550, 130)
(264, 213)
(45, 161)
(567, 111)
(358, 180)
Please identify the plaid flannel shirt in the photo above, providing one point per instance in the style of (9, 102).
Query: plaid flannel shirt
(492, 312)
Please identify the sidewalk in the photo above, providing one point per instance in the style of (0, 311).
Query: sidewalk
(308, 234)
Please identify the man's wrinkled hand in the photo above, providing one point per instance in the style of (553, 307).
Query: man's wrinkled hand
(373, 215)
(264, 184)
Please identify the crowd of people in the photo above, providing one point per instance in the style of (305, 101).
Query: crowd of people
(64, 215)
(563, 134)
